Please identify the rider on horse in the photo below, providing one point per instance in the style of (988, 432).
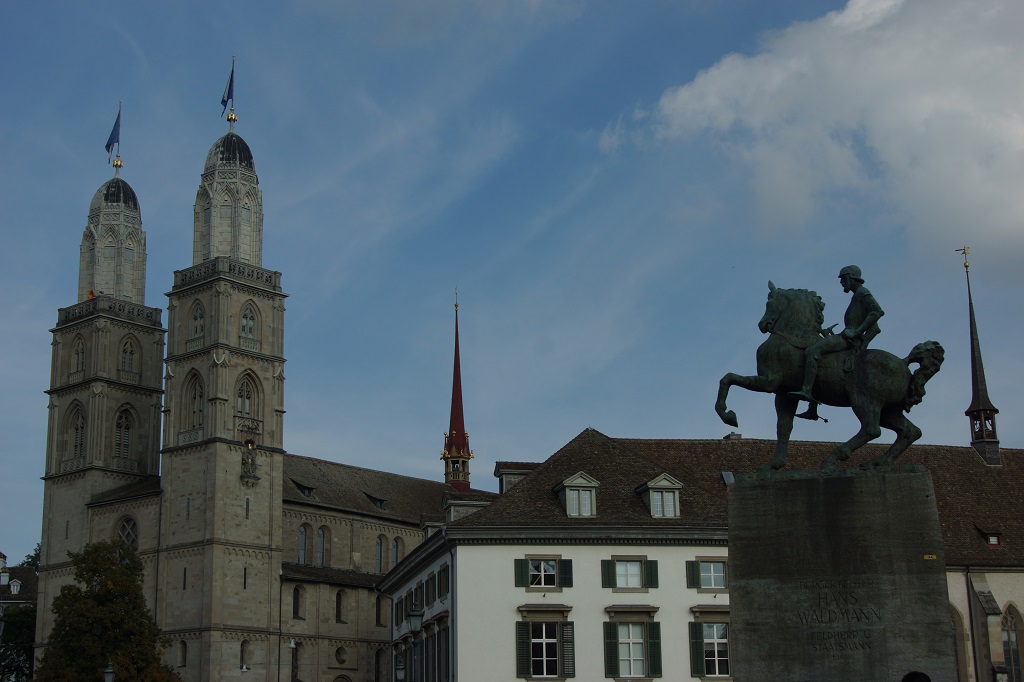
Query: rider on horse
(861, 322)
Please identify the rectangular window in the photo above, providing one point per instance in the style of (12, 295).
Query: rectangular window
(632, 649)
(442, 581)
(629, 573)
(417, 596)
(709, 649)
(543, 573)
(663, 503)
(545, 649)
(579, 501)
(431, 589)
(707, 574)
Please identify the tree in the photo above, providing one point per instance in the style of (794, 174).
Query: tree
(33, 558)
(103, 618)
(19, 632)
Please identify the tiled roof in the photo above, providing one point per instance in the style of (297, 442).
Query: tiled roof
(331, 576)
(26, 575)
(363, 491)
(145, 487)
(970, 494)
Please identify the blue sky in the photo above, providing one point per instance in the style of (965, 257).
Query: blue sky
(610, 186)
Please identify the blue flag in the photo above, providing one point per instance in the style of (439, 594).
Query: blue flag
(115, 135)
(229, 90)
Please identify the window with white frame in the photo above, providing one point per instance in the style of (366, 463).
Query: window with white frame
(632, 643)
(578, 494)
(543, 573)
(662, 496)
(707, 573)
(545, 642)
(663, 503)
(629, 573)
(709, 642)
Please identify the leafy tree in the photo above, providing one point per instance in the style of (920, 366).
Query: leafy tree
(32, 559)
(16, 643)
(103, 618)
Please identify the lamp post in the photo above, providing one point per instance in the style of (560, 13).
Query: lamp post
(415, 617)
(400, 668)
(108, 672)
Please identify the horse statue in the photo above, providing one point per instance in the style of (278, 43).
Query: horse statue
(877, 385)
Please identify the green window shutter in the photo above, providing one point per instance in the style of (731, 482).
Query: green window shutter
(650, 574)
(693, 574)
(607, 573)
(611, 649)
(696, 649)
(522, 648)
(654, 649)
(567, 655)
(565, 573)
(522, 573)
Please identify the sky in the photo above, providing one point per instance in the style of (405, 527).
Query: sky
(609, 185)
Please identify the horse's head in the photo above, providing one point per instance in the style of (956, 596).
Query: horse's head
(771, 314)
(793, 311)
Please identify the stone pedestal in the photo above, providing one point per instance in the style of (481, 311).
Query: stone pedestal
(838, 579)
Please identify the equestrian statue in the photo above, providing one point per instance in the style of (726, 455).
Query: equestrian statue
(802, 361)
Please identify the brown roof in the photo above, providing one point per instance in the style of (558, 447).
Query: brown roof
(363, 491)
(26, 575)
(147, 486)
(971, 495)
(325, 574)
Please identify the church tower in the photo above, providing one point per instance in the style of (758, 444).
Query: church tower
(981, 411)
(456, 453)
(103, 430)
(222, 432)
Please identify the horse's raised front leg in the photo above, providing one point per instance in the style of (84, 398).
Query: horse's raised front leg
(785, 408)
(751, 383)
(869, 415)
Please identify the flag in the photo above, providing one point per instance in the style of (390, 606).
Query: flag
(229, 90)
(115, 135)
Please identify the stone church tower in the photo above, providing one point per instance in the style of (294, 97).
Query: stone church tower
(103, 431)
(222, 458)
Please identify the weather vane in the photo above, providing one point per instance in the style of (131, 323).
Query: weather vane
(456, 298)
(965, 250)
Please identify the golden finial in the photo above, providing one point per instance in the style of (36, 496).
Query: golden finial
(117, 163)
(965, 250)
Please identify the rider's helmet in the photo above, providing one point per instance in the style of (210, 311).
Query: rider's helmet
(852, 271)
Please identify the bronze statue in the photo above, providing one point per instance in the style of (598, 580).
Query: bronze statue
(861, 325)
(877, 385)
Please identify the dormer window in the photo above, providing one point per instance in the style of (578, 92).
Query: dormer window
(662, 496)
(579, 495)
(15, 586)
(306, 490)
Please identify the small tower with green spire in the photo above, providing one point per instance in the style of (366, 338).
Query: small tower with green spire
(981, 412)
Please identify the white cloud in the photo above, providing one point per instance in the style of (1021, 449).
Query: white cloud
(913, 104)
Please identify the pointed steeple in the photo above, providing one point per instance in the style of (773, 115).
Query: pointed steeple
(456, 453)
(981, 412)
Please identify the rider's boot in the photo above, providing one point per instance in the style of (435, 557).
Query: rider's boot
(811, 412)
(810, 371)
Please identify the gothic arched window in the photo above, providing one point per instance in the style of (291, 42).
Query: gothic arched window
(198, 323)
(78, 356)
(194, 403)
(77, 435)
(339, 603)
(396, 550)
(123, 434)
(1011, 644)
(302, 545)
(246, 403)
(320, 542)
(248, 323)
(128, 356)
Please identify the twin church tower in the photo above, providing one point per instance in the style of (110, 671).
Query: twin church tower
(180, 453)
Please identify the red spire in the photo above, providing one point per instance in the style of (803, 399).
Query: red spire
(456, 453)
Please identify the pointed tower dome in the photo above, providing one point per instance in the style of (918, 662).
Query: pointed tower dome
(229, 204)
(456, 453)
(113, 252)
(981, 411)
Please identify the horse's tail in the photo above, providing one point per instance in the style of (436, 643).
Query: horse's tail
(928, 356)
